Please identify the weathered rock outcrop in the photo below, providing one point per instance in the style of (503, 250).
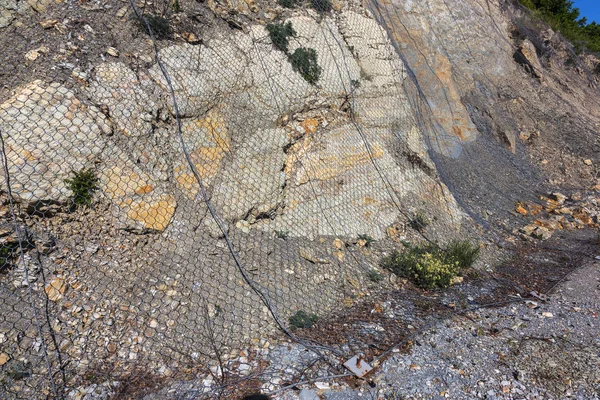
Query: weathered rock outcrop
(270, 148)
(48, 134)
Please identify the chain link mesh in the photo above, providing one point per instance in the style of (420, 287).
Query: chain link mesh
(184, 188)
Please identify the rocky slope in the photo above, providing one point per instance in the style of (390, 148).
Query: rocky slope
(462, 112)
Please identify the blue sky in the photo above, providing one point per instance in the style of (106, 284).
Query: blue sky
(589, 9)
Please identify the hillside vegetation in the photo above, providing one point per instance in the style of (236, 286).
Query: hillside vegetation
(564, 17)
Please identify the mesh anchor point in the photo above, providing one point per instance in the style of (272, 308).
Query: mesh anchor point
(358, 366)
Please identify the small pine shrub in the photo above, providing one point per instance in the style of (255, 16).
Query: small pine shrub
(287, 3)
(597, 69)
(463, 252)
(282, 234)
(427, 266)
(303, 320)
(83, 184)
(160, 26)
(176, 6)
(321, 5)
(368, 239)
(280, 34)
(6, 254)
(375, 276)
(419, 221)
(305, 62)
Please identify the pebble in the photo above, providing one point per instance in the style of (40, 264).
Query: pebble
(112, 52)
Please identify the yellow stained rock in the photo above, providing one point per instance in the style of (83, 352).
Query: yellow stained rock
(155, 215)
(310, 125)
(339, 244)
(214, 143)
(122, 181)
(56, 289)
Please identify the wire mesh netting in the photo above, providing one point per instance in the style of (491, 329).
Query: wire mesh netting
(185, 187)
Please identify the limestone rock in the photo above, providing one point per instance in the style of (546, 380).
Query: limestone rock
(380, 66)
(56, 289)
(49, 133)
(6, 17)
(140, 203)
(220, 71)
(39, 5)
(252, 185)
(528, 55)
(151, 213)
(309, 254)
(332, 173)
(207, 141)
(10, 9)
(118, 88)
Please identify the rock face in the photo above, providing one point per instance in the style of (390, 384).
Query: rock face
(346, 161)
(10, 9)
(49, 133)
(527, 54)
(272, 150)
(471, 64)
(118, 88)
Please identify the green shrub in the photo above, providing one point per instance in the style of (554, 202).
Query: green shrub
(375, 276)
(6, 255)
(176, 6)
(597, 69)
(160, 26)
(427, 266)
(280, 34)
(305, 62)
(419, 221)
(463, 252)
(562, 16)
(287, 3)
(368, 239)
(83, 184)
(282, 234)
(303, 320)
(321, 5)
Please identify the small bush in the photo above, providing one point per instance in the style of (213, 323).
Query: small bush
(280, 34)
(176, 6)
(6, 255)
(419, 221)
(375, 276)
(427, 266)
(597, 69)
(282, 234)
(305, 62)
(160, 26)
(303, 320)
(463, 252)
(368, 239)
(83, 184)
(287, 3)
(321, 5)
